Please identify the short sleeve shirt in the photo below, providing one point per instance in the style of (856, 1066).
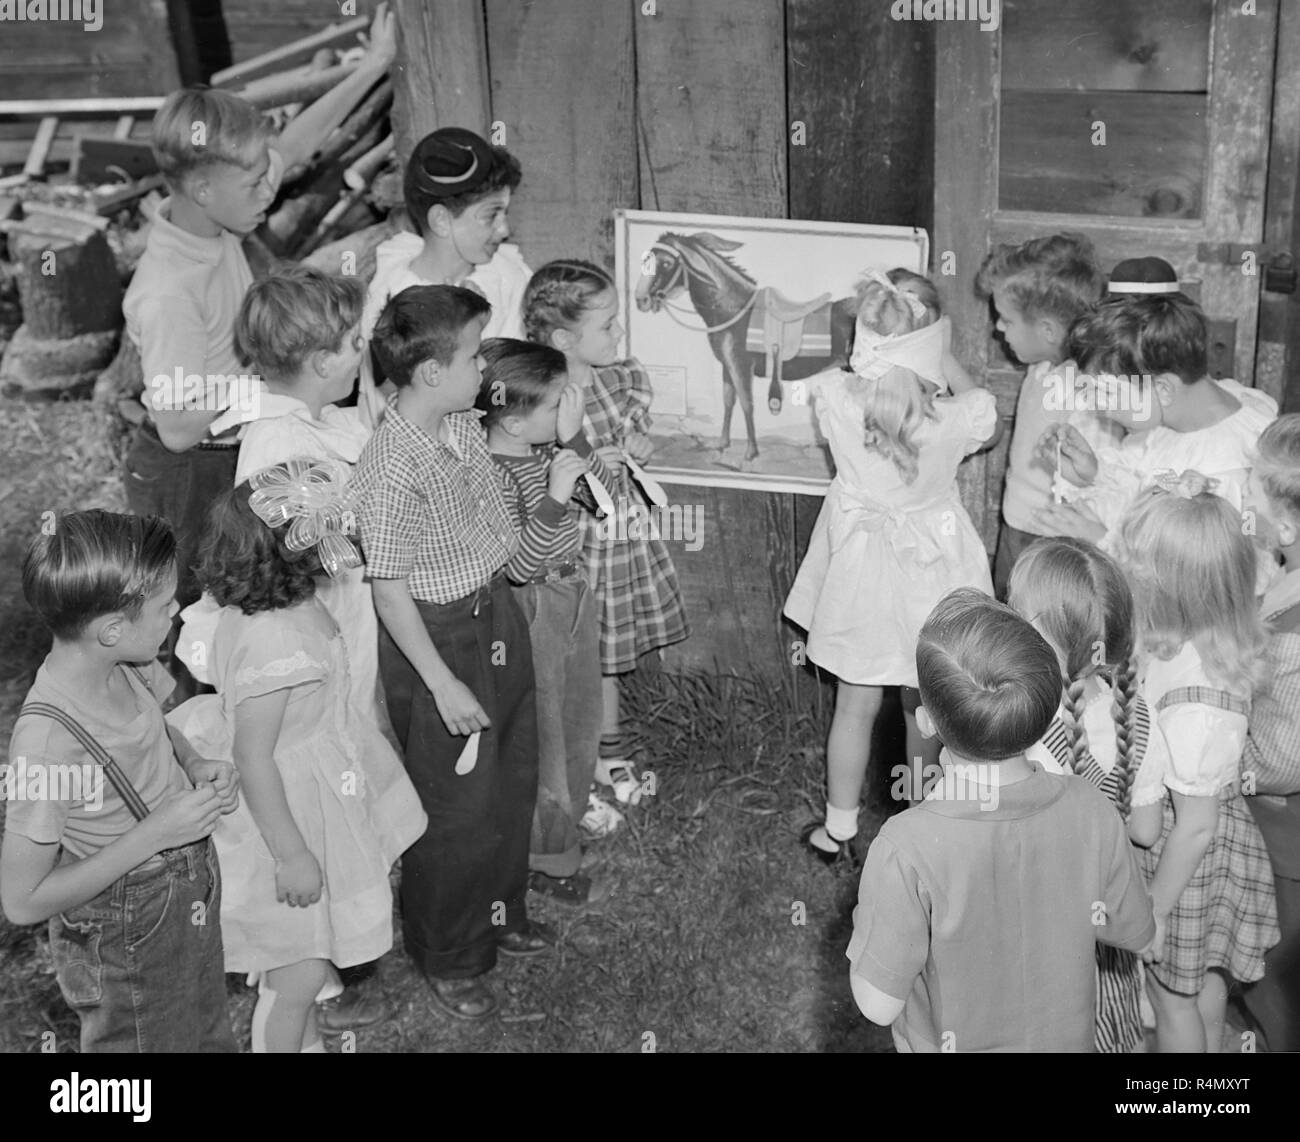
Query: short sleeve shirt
(430, 511)
(984, 919)
(55, 791)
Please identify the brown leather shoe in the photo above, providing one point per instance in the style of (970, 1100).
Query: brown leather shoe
(352, 1011)
(535, 940)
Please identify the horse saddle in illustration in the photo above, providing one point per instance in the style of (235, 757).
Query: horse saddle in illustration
(781, 330)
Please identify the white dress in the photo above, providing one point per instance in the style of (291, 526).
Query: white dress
(346, 788)
(884, 552)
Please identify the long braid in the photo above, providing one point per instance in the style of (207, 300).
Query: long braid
(1123, 711)
(1073, 721)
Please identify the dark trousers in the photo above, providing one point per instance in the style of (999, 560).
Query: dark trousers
(142, 963)
(1275, 1000)
(180, 487)
(563, 627)
(464, 881)
(1011, 545)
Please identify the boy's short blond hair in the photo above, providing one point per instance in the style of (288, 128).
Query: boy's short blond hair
(293, 312)
(1277, 463)
(199, 127)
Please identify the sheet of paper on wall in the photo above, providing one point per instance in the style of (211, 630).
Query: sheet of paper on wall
(732, 318)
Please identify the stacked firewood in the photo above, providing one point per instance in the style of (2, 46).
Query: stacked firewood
(69, 241)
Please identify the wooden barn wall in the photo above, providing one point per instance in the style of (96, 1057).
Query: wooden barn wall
(695, 108)
(130, 54)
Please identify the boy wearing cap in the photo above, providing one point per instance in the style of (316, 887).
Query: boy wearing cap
(457, 189)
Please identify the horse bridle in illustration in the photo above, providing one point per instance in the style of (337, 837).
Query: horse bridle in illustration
(680, 278)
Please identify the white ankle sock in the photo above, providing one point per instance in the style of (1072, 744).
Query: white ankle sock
(841, 824)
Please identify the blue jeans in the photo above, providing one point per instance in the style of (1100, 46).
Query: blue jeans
(566, 659)
(142, 963)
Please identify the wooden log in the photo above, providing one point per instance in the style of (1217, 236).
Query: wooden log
(72, 306)
(563, 92)
(360, 174)
(440, 77)
(354, 254)
(68, 287)
(117, 200)
(124, 126)
(321, 61)
(300, 86)
(41, 212)
(848, 64)
(368, 112)
(278, 59)
(34, 167)
(120, 105)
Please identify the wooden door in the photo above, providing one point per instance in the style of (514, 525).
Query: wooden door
(1143, 124)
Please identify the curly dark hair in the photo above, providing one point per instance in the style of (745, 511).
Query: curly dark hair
(245, 564)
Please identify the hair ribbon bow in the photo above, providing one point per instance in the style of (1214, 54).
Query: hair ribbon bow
(1186, 484)
(308, 496)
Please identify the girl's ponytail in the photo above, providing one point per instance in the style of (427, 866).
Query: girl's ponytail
(1073, 707)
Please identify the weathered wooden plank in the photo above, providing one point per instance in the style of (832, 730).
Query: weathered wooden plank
(860, 90)
(255, 27)
(1106, 45)
(1277, 361)
(440, 77)
(711, 107)
(562, 92)
(1151, 164)
(300, 50)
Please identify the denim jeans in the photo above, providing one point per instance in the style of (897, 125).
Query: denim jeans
(464, 881)
(566, 659)
(142, 963)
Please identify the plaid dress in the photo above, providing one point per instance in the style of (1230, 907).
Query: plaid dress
(1118, 1027)
(638, 600)
(1226, 917)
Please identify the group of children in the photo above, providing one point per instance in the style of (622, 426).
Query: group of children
(1146, 508)
(408, 620)
(396, 581)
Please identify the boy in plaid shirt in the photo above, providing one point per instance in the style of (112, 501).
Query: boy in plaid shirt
(1271, 760)
(454, 652)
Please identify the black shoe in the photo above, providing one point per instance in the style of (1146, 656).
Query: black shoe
(535, 940)
(843, 851)
(573, 889)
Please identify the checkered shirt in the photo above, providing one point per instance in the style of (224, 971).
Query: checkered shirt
(429, 512)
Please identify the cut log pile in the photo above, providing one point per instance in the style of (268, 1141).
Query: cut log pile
(71, 232)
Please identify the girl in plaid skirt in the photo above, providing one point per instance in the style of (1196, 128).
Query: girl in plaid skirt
(573, 306)
(1201, 655)
(1078, 600)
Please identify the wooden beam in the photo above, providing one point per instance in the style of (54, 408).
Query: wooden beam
(440, 77)
(278, 59)
(35, 164)
(1277, 362)
(39, 108)
(563, 90)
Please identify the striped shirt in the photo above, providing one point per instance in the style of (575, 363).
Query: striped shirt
(548, 530)
(431, 512)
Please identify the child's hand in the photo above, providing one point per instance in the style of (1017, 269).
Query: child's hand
(459, 709)
(1075, 520)
(566, 469)
(1154, 952)
(221, 775)
(568, 421)
(1078, 461)
(184, 817)
(612, 455)
(298, 880)
(381, 46)
(639, 446)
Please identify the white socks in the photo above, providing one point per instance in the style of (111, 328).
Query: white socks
(841, 824)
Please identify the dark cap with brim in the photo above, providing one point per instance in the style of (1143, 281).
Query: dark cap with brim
(450, 161)
(1143, 276)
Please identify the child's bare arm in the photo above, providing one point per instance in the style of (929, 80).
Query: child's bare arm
(309, 129)
(33, 886)
(221, 775)
(959, 381)
(1195, 820)
(1145, 823)
(458, 707)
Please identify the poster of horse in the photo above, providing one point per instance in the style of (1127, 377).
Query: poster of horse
(733, 318)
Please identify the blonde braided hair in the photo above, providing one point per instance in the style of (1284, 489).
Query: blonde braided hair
(1123, 712)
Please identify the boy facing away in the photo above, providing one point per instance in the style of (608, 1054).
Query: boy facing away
(454, 650)
(979, 908)
(116, 855)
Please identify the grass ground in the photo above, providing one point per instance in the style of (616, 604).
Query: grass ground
(718, 933)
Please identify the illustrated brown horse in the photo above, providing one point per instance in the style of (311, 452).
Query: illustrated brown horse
(725, 298)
